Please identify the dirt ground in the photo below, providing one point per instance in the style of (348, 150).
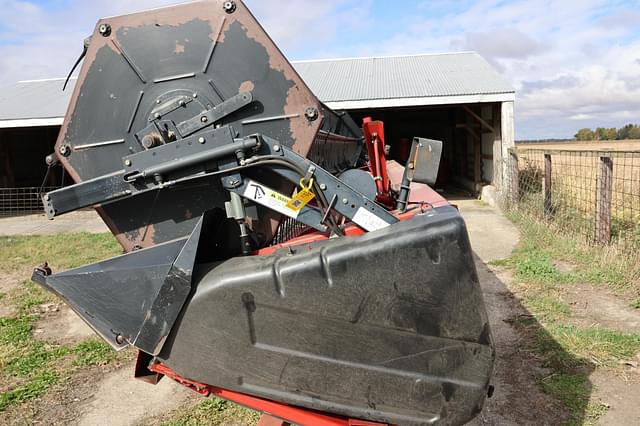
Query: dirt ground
(110, 396)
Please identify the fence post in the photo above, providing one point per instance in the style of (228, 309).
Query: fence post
(547, 185)
(603, 201)
(515, 176)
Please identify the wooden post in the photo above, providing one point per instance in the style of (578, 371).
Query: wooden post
(547, 185)
(515, 176)
(603, 201)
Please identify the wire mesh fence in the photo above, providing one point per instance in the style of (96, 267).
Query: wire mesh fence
(21, 201)
(593, 194)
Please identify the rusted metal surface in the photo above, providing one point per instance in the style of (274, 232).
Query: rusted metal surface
(203, 54)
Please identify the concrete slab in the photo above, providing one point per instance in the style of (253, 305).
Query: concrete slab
(492, 235)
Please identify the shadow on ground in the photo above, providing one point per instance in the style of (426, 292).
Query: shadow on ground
(520, 372)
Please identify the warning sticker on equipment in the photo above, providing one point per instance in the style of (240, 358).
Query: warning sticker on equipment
(368, 220)
(269, 198)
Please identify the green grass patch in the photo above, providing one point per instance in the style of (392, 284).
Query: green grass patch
(541, 245)
(25, 361)
(594, 345)
(15, 330)
(62, 251)
(574, 390)
(213, 412)
(93, 352)
(548, 306)
(29, 295)
(29, 367)
(30, 390)
(37, 357)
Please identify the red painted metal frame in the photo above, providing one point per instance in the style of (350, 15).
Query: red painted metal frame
(288, 413)
(373, 132)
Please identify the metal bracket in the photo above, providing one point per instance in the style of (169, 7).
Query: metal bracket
(344, 199)
(218, 112)
(148, 170)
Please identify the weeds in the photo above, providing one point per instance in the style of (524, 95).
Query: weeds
(544, 264)
(29, 367)
(574, 391)
(213, 411)
(93, 352)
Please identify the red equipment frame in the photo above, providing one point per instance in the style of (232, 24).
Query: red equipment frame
(274, 413)
(373, 132)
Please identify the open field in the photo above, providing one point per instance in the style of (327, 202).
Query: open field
(580, 199)
(571, 145)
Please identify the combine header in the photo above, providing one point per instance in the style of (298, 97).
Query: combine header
(273, 255)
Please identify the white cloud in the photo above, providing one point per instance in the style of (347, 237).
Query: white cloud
(579, 117)
(567, 59)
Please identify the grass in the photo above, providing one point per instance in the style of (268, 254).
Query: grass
(63, 251)
(542, 245)
(544, 264)
(213, 412)
(93, 352)
(570, 346)
(30, 367)
(574, 391)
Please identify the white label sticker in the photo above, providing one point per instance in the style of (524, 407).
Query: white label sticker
(269, 198)
(368, 220)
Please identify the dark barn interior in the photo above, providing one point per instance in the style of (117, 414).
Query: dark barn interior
(23, 168)
(467, 157)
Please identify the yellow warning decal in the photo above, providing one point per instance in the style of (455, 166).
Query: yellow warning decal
(302, 197)
(268, 197)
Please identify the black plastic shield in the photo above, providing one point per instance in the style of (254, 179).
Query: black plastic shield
(389, 326)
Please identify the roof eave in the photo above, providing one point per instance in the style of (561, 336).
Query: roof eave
(31, 122)
(421, 101)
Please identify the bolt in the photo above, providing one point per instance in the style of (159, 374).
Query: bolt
(411, 166)
(204, 119)
(276, 148)
(195, 95)
(104, 30)
(65, 150)
(229, 6)
(50, 159)
(119, 339)
(157, 101)
(311, 113)
(47, 197)
(323, 186)
(201, 140)
(127, 162)
(156, 115)
(181, 103)
(345, 201)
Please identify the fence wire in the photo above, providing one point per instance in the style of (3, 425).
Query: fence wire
(21, 201)
(594, 194)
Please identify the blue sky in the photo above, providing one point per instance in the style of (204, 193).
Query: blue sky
(573, 63)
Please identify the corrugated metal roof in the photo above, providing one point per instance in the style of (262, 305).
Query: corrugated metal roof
(35, 99)
(340, 83)
(450, 74)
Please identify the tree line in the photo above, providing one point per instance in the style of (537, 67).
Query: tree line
(630, 131)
